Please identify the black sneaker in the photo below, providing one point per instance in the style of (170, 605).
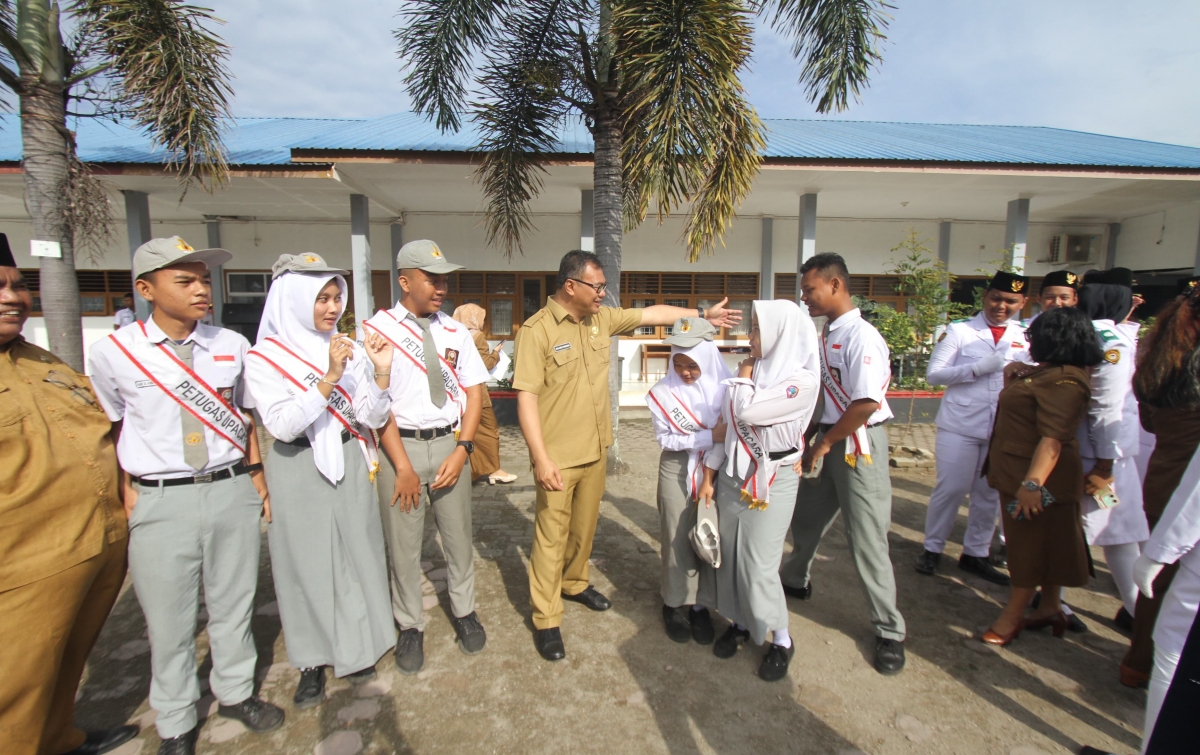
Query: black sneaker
(702, 628)
(728, 645)
(1000, 557)
(775, 663)
(981, 567)
(928, 563)
(679, 628)
(799, 593)
(310, 692)
(889, 656)
(1123, 620)
(410, 651)
(258, 716)
(471, 637)
(184, 744)
(362, 677)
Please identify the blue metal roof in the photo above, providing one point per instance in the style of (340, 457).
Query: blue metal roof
(270, 141)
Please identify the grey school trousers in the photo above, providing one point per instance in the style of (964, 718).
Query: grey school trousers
(863, 495)
(179, 538)
(404, 532)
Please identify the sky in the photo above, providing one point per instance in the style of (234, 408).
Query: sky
(1105, 66)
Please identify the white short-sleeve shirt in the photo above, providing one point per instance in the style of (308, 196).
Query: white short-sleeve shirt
(124, 317)
(857, 358)
(151, 443)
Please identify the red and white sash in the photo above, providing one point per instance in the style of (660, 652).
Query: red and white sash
(841, 397)
(305, 375)
(682, 421)
(761, 474)
(195, 396)
(407, 341)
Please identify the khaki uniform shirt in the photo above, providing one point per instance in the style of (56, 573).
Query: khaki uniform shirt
(565, 362)
(58, 468)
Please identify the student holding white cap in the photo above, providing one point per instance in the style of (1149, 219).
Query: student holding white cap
(193, 487)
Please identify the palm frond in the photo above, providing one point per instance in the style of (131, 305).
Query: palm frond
(837, 41)
(173, 78)
(436, 44)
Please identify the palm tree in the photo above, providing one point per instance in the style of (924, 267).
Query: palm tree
(656, 82)
(151, 61)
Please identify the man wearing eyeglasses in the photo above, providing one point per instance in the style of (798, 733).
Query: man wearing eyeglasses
(62, 546)
(562, 356)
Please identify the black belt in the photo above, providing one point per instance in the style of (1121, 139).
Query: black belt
(826, 428)
(221, 474)
(430, 434)
(777, 455)
(304, 442)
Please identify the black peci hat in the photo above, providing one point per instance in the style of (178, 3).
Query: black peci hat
(1009, 283)
(1116, 276)
(1187, 285)
(1061, 278)
(6, 255)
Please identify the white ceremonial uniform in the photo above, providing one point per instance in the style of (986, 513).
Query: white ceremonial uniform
(964, 424)
(858, 358)
(123, 317)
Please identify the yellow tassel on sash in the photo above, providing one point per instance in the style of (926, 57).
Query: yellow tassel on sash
(373, 471)
(755, 503)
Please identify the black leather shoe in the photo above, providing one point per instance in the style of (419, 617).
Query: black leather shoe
(1123, 620)
(1000, 557)
(362, 677)
(728, 645)
(256, 715)
(799, 593)
(98, 742)
(471, 637)
(775, 663)
(889, 656)
(310, 692)
(702, 628)
(591, 598)
(410, 651)
(980, 567)
(549, 644)
(928, 563)
(182, 745)
(1075, 624)
(676, 621)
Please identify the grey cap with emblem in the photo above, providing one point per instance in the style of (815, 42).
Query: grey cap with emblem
(424, 255)
(690, 331)
(156, 254)
(303, 263)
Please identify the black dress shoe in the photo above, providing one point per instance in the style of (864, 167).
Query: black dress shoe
(310, 692)
(676, 621)
(980, 567)
(410, 651)
(549, 644)
(591, 598)
(799, 593)
(928, 563)
(889, 656)
(1000, 557)
(1075, 624)
(1123, 620)
(362, 677)
(185, 744)
(257, 715)
(775, 663)
(702, 628)
(728, 645)
(98, 742)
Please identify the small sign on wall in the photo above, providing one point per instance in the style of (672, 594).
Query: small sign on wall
(40, 248)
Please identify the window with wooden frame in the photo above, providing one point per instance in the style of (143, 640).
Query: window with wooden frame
(100, 291)
(509, 299)
(691, 290)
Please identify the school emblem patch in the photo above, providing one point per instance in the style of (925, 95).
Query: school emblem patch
(1071, 278)
(183, 246)
(686, 327)
(194, 439)
(452, 357)
(1112, 356)
(792, 391)
(310, 259)
(436, 252)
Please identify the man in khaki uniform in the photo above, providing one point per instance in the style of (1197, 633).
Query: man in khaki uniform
(561, 378)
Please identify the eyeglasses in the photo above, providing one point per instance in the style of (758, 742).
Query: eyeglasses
(599, 288)
(79, 393)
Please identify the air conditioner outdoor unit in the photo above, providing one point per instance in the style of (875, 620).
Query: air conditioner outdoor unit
(1071, 249)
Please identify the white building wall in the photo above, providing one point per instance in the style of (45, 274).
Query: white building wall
(1161, 240)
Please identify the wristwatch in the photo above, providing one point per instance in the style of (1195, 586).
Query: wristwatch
(467, 444)
(700, 311)
(1031, 486)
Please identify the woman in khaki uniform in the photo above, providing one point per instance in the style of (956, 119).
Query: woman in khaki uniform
(485, 462)
(1033, 451)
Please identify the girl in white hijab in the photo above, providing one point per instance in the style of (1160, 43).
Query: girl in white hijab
(767, 409)
(685, 408)
(319, 395)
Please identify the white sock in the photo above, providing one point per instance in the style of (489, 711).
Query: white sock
(782, 638)
(1120, 560)
(1062, 597)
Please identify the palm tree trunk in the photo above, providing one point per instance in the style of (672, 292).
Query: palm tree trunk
(46, 149)
(606, 211)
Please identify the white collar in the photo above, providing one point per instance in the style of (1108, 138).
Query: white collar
(854, 314)
(156, 334)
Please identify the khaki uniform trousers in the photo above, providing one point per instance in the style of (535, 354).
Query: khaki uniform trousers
(564, 526)
(486, 458)
(49, 628)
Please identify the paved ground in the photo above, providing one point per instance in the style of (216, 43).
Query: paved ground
(625, 687)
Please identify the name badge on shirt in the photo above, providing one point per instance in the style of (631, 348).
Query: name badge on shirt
(562, 347)
(226, 393)
(452, 357)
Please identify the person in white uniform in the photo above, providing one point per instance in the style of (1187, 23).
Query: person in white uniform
(768, 407)
(437, 382)
(125, 315)
(969, 359)
(319, 395)
(685, 410)
(193, 487)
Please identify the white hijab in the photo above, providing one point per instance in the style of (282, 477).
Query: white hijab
(288, 318)
(789, 342)
(703, 397)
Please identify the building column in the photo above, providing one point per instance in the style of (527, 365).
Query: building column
(397, 229)
(360, 259)
(218, 275)
(808, 234)
(587, 224)
(1016, 232)
(766, 283)
(944, 244)
(137, 224)
(1110, 256)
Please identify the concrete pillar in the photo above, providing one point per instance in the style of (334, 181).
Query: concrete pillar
(944, 243)
(218, 275)
(587, 225)
(1110, 256)
(360, 259)
(137, 224)
(397, 228)
(1016, 232)
(766, 283)
(808, 233)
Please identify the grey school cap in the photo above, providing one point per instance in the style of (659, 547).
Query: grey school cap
(690, 331)
(156, 254)
(424, 255)
(302, 263)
